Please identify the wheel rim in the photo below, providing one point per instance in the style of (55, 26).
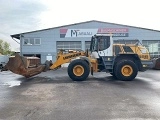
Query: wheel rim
(127, 70)
(78, 70)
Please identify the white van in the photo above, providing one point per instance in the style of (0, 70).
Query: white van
(3, 60)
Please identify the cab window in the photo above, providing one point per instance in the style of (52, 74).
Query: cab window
(103, 42)
(127, 49)
(116, 50)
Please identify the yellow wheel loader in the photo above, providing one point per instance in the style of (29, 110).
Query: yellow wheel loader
(123, 61)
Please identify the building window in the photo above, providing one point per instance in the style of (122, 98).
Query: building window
(124, 41)
(37, 41)
(153, 47)
(25, 41)
(31, 41)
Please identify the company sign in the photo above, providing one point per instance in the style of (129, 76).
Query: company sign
(116, 32)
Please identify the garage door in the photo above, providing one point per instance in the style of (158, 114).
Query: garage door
(87, 45)
(69, 45)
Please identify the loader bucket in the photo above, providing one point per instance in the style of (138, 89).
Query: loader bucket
(20, 65)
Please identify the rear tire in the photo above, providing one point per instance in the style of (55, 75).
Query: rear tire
(126, 70)
(78, 70)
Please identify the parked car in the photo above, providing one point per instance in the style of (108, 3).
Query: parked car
(3, 60)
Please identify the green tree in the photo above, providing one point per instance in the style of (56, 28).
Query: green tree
(5, 48)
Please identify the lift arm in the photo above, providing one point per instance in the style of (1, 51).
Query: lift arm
(65, 58)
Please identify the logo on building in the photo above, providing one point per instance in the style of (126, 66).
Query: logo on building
(74, 33)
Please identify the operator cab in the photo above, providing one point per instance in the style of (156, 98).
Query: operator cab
(101, 45)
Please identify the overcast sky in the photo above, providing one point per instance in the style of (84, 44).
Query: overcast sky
(18, 16)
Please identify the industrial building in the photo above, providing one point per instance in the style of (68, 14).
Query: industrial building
(47, 42)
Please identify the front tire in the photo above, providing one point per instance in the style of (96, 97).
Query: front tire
(126, 70)
(78, 70)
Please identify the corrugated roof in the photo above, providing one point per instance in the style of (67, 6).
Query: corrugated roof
(18, 35)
